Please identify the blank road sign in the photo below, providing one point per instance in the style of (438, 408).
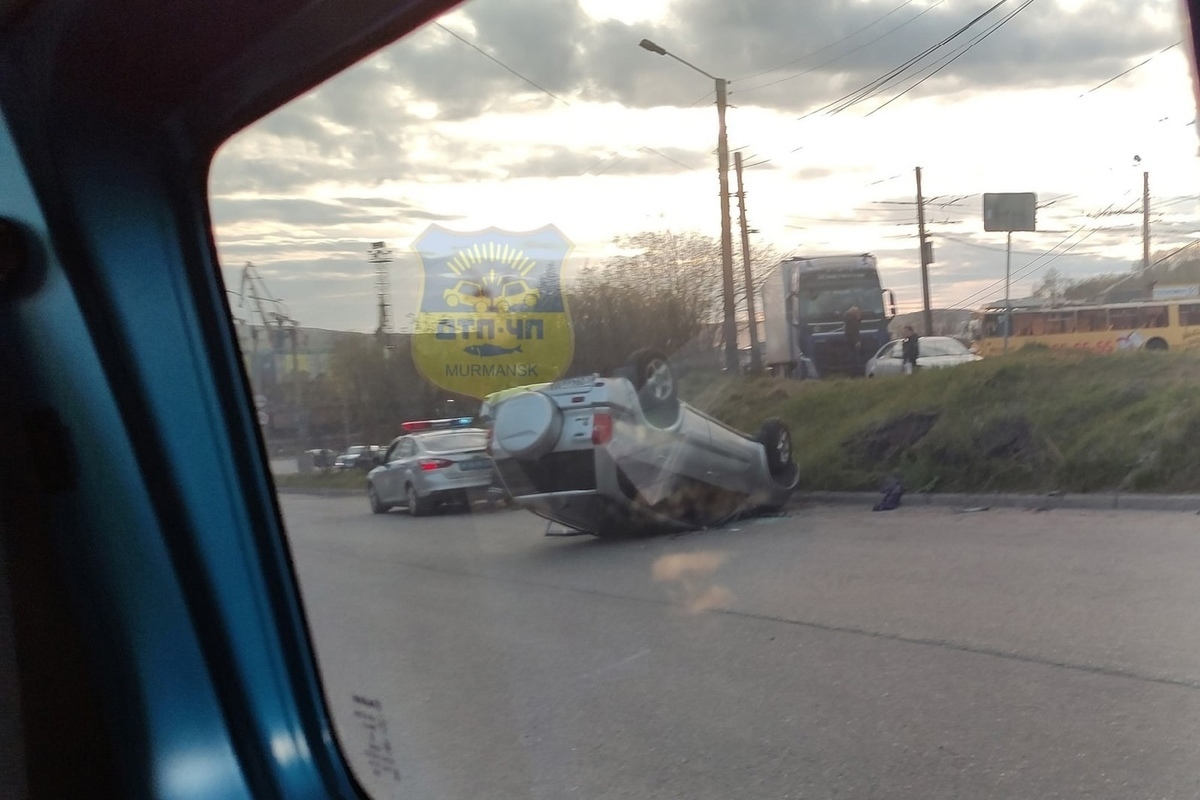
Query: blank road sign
(1010, 212)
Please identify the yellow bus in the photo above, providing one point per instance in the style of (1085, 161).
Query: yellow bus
(1107, 328)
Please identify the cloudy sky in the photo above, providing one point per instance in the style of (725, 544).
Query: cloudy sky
(522, 113)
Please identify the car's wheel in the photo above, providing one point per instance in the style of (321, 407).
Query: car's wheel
(531, 300)
(1156, 344)
(653, 378)
(502, 306)
(377, 505)
(452, 300)
(776, 439)
(481, 306)
(416, 506)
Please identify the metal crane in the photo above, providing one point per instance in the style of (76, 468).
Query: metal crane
(259, 306)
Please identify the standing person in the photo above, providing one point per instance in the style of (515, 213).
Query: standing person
(910, 349)
(853, 326)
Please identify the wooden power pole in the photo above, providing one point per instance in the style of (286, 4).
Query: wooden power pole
(926, 256)
(751, 311)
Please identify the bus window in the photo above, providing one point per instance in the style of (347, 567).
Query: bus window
(1152, 317)
(1189, 314)
(993, 325)
(1029, 323)
(1121, 319)
(1093, 319)
(1060, 322)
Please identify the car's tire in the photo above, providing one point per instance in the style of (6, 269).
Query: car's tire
(377, 505)
(527, 425)
(653, 379)
(1156, 344)
(452, 301)
(481, 307)
(531, 301)
(502, 306)
(416, 506)
(776, 439)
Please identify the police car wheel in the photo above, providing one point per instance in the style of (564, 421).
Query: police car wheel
(377, 506)
(416, 506)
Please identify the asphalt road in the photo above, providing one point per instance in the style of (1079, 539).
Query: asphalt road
(920, 653)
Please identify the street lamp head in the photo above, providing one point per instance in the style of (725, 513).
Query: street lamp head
(646, 44)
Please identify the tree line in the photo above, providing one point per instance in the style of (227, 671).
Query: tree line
(662, 290)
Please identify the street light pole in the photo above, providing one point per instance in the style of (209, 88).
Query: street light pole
(727, 287)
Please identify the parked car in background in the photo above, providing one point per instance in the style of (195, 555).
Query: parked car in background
(933, 352)
(435, 462)
(360, 456)
(320, 459)
(623, 455)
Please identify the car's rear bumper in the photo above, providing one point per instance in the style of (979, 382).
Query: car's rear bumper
(438, 483)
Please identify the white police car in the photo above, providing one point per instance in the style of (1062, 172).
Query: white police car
(434, 461)
(623, 455)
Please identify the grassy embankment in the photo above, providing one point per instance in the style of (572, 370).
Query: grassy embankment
(333, 479)
(1034, 420)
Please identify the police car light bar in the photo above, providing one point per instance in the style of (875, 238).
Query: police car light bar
(436, 424)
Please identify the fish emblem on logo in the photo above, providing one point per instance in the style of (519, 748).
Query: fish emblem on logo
(489, 350)
(491, 313)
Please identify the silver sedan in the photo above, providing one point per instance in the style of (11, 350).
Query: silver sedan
(423, 470)
(933, 352)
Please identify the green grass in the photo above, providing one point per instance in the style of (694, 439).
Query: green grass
(333, 479)
(1034, 420)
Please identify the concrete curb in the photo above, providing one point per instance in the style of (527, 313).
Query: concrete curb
(1033, 502)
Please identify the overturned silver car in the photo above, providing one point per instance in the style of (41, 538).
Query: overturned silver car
(622, 455)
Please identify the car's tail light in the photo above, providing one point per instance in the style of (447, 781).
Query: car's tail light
(430, 464)
(488, 443)
(602, 428)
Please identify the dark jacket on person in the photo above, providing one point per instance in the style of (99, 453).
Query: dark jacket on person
(910, 350)
(853, 321)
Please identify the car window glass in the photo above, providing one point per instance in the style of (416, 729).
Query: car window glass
(447, 442)
(933, 347)
(517, 197)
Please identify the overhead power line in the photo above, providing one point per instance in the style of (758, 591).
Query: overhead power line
(837, 57)
(504, 66)
(957, 55)
(1037, 264)
(829, 46)
(851, 98)
(1131, 69)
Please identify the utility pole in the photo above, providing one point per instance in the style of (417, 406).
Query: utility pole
(381, 257)
(926, 256)
(731, 349)
(731, 355)
(751, 312)
(1146, 222)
